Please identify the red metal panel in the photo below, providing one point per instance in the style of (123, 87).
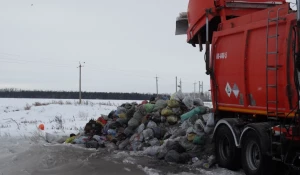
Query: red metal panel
(256, 61)
(197, 15)
(256, 1)
(197, 12)
(242, 64)
(229, 68)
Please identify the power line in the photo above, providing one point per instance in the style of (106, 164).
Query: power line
(18, 62)
(43, 58)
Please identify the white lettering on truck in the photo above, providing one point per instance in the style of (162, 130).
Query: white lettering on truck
(222, 55)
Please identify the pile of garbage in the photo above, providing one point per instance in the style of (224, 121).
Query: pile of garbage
(176, 130)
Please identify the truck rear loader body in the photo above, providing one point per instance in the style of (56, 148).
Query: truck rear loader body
(252, 56)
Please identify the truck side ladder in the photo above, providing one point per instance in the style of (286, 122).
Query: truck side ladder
(272, 67)
(273, 113)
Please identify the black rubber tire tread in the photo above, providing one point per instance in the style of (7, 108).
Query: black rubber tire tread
(233, 160)
(265, 166)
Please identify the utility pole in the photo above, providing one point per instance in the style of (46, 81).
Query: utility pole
(176, 83)
(156, 85)
(80, 66)
(200, 87)
(199, 90)
(180, 85)
(195, 90)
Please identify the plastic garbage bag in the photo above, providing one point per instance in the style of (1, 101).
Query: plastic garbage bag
(177, 96)
(191, 136)
(177, 111)
(199, 126)
(81, 140)
(136, 146)
(122, 121)
(122, 116)
(211, 120)
(138, 115)
(123, 144)
(210, 162)
(154, 142)
(51, 138)
(159, 105)
(172, 156)
(152, 151)
(195, 111)
(149, 107)
(99, 139)
(190, 130)
(173, 103)
(199, 140)
(188, 102)
(158, 119)
(120, 110)
(210, 124)
(151, 124)
(137, 137)
(133, 123)
(130, 112)
(114, 125)
(198, 102)
(188, 146)
(178, 133)
(175, 145)
(208, 129)
(128, 132)
(166, 112)
(162, 152)
(172, 120)
(159, 132)
(184, 158)
(148, 134)
(112, 132)
(92, 144)
(186, 124)
(141, 128)
(70, 139)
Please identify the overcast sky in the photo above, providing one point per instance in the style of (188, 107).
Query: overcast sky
(124, 44)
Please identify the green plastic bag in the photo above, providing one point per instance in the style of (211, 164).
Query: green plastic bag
(195, 111)
(149, 107)
(70, 140)
(199, 140)
(159, 105)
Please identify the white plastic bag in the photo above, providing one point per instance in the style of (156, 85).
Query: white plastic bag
(188, 102)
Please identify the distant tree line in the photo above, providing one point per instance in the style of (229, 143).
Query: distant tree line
(18, 93)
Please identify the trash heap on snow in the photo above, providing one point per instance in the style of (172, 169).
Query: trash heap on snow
(177, 130)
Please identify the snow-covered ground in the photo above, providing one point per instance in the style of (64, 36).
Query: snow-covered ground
(23, 149)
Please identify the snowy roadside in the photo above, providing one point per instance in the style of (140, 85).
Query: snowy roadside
(24, 151)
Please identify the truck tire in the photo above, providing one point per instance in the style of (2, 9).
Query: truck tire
(254, 161)
(227, 154)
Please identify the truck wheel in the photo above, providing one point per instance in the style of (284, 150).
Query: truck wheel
(227, 154)
(254, 161)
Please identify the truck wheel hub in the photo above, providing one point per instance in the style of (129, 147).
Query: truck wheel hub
(253, 155)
